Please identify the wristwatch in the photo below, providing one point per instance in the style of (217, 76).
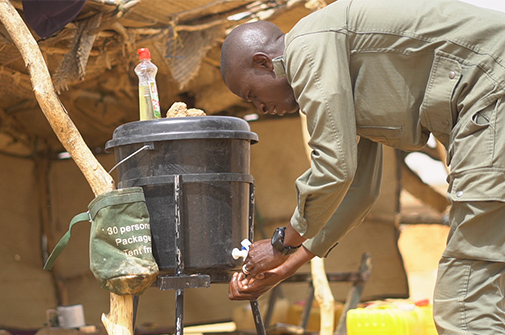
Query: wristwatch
(278, 242)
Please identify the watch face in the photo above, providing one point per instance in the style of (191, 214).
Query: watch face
(278, 234)
(278, 239)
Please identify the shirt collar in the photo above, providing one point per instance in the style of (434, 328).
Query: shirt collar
(279, 68)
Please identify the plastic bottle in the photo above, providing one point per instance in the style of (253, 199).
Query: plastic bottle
(149, 103)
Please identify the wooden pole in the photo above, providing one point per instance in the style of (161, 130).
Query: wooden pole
(119, 320)
(323, 295)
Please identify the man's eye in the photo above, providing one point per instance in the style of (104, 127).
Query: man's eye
(248, 96)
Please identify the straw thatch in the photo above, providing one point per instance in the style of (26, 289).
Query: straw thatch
(91, 61)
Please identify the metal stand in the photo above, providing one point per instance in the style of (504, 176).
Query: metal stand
(258, 321)
(181, 281)
(358, 280)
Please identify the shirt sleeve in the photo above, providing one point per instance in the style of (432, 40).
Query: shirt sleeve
(357, 202)
(317, 68)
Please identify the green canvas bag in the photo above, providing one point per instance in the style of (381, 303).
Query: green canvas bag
(120, 251)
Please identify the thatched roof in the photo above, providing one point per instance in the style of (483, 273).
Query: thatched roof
(91, 61)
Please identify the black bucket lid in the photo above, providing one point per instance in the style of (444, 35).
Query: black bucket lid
(181, 128)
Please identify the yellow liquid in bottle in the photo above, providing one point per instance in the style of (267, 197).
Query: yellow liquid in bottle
(145, 103)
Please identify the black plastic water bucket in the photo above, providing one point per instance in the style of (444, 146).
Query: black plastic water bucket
(211, 154)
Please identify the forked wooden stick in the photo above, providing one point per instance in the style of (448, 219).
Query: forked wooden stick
(119, 320)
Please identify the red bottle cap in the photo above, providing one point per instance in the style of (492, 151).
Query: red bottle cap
(424, 302)
(144, 53)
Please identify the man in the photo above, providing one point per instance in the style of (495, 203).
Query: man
(389, 72)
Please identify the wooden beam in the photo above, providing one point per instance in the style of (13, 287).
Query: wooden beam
(41, 170)
(413, 184)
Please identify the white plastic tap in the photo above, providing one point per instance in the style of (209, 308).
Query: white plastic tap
(243, 251)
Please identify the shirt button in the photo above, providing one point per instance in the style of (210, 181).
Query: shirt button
(459, 194)
(446, 123)
(452, 75)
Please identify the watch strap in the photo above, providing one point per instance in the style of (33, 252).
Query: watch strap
(278, 242)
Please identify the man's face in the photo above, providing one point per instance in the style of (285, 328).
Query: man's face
(269, 94)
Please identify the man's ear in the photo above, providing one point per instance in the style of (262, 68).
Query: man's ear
(262, 60)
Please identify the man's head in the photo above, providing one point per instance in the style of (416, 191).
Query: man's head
(247, 67)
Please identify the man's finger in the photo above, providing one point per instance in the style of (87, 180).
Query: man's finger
(238, 285)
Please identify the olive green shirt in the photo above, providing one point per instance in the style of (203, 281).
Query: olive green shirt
(393, 71)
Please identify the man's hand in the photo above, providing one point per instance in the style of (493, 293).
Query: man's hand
(251, 287)
(262, 257)
(244, 287)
